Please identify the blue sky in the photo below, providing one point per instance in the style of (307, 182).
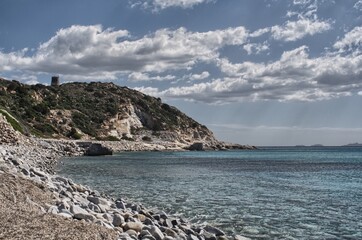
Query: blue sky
(277, 72)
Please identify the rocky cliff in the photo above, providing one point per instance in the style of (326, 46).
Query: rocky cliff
(96, 110)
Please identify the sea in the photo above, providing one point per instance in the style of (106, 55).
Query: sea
(269, 193)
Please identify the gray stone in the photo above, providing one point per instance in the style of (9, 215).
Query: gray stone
(124, 236)
(214, 230)
(80, 213)
(81, 200)
(148, 237)
(131, 232)
(168, 238)
(192, 237)
(209, 236)
(65, 211)
(168, 223)
(144, 232)
(117, 220)
(96, 149)
(94, 207)
(65, 215)
(238, 237)
(97, 200)
(53, 210)
(149, 222)
(137, 226)
(170, 232)
(198, 146)
(156, 232)
(120, 205)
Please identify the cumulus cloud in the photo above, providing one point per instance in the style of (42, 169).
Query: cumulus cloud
(358, 5)
(136, 77)
(295, 76)
(351, 41)
(295, 30)
(200, 76)
(157, 5)
(84, 51)
(256, 48)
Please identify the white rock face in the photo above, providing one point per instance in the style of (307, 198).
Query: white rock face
(121, 124)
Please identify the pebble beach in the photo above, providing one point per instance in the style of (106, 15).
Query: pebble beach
(38, 204)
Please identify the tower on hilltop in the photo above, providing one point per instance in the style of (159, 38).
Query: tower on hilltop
(55, 81)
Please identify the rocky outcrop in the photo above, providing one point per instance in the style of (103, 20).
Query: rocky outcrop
(196, 147)
(104, 111)
(97, 149)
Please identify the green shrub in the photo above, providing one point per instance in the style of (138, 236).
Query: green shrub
(14, 123)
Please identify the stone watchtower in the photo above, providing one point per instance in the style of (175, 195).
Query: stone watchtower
(55, 81)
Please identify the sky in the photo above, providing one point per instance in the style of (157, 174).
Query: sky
(258, 72)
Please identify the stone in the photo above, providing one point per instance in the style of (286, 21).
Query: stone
(97, 200)
(53, 210)
(168, 238)
(118, 220)
(209, 236)
(238, 237)
(79, 213)
(192, 237)
(214, 230)
(66, 215)
(137, 226)
(222, 238)
(124, 236)
(156, 232)
(96, 149)
(149, 222)
(120, 204)
(198, 146)
(144, 233)
(171, 233)
(132, 232)
(168, 223)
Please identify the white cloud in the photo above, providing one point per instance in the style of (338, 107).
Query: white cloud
(358, 5)
(87, 51)
(137, 76)
(360, 93)
(295, 76)
(157, 5)
(149, 91)
(351, 41)
(177, 3)
(256, 48)
(200, 76)
(295, 30)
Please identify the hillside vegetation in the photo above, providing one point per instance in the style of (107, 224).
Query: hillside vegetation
(96, 111)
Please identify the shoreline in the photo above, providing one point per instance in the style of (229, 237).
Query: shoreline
(31, 162)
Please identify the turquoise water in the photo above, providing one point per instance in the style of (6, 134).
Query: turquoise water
(271, 193)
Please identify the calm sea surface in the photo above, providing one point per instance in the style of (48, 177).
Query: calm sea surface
(271, 193)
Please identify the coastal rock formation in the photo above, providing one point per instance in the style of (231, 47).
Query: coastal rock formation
(39, 205)
(96, 149)
(98, 111)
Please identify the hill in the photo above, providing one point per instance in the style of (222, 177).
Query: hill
(102, 111)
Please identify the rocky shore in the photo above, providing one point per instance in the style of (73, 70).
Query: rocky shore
(36, 204)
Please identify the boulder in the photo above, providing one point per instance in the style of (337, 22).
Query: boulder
(214, 230)
(198, 146)
(156, 233)
(80, 213)
(137, 226)
(96, 149)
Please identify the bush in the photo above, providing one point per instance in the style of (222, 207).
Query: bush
(15, 124)
(74, 134)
